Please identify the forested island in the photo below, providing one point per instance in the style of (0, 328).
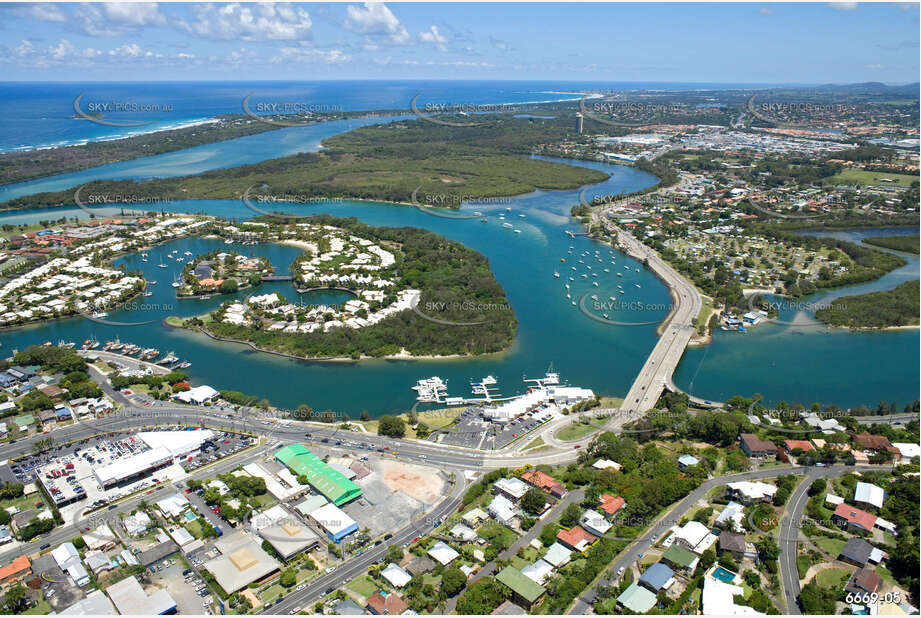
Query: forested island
(466, 310)
(903, 242)
(889, 309)
(386, 162)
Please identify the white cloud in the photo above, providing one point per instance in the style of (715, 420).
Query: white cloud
(309, 54)
(766, 11)
(250, 22)
(128, 49)
(434, 37)
(43, 12)
(111, 18)
(843, 6)
(375, 19)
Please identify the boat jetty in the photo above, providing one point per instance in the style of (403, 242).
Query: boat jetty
(542, 392)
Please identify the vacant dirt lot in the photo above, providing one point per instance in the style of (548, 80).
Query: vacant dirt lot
(418, 482)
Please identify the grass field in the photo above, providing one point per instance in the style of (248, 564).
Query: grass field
(862, 177)
(575, 431)
(832, 547)
(832, 578)
(363, 585)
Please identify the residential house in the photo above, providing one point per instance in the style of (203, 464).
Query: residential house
(658, 576)
(686, 461)
(864, 581)
(576, 538)
(803, 445)
(853, 519)
(732, 543)
(386, 604)
(636, 599)
(856, 551)
(395, 575)
(753, 446)
(525, 591)
(611, 504)
(595, 523)
(545, 482)
(680, 558)
(514, 489)
(867, 493)
(748, 492)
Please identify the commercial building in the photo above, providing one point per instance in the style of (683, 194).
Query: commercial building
(96, 603)
(334, 521)
(324, 479)
(242, 562)
(129, 598)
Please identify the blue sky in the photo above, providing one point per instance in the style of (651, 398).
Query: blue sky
(706, 43)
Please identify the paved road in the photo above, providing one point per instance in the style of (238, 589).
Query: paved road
(359, 564)
(791, 524)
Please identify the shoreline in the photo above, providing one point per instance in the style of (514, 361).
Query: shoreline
(331, 359)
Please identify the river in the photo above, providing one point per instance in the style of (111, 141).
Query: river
(840, 367)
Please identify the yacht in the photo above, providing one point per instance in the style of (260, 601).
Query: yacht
(518, 231)
(507, 224)
(161, 265)
(604, 315)
(556, 274)
(595, 283)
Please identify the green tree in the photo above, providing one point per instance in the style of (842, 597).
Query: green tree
(288, 578)
(392, 426)
(394, 554)
(453, 581)
(229, 286)
(570, 516)
(533, 501)
(548, 534)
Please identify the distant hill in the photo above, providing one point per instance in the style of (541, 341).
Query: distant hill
(871, 88)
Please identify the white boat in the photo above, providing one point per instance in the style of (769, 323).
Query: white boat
(162, 265)
(228, 242)
(188, 253)
(522, 216)
(100, 314)
(637, 270)
(477, 213)
(151, 283)
(594, 297)
(567, 286)
(506, 224)
(621, 291)
(620, 274)
(637, 284)
(176, 284)
(607, 270)
(518, 231)
(595, 283)
(556, 274)
(604, 315)
(573, 302)
(143, 259)
(569, 296)
(148, 293)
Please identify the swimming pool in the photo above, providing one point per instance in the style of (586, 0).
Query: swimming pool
(723, 575)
